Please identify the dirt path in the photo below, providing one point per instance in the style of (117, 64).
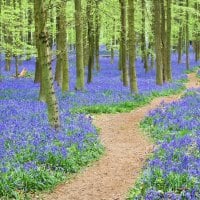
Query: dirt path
(126, 150)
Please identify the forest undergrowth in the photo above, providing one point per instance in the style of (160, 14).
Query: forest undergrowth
(172, 171)
(35, 157)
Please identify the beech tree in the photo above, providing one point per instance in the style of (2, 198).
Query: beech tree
(168, 42)
(123, 43)
(79, 46)
(143, 37)
(187, 42)
(131, 42)
(158, 42)
(44, 58)
(97, 33)
(62, 74)
(91, 38)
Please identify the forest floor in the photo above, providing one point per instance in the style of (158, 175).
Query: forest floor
(127, 148)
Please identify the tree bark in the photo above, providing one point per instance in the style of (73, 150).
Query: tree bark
(8, 40)
(62, 74)
(90, 14)
(112, 52)
(63, 48)
(38, 69)
(123, 43)
(131, 42)
(97, 36)
(45, 61)
(143, 37)
(180, 44)
(85, 41)
(163, 40)
(79, 46)
(168, 57)
(187, 42)
(30, 19)
(158, 44)
(16, 66)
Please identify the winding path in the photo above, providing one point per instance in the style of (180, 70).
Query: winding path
(126, 151)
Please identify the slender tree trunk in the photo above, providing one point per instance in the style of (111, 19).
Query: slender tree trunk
(131, 42)
(51, 39)
(8, 60)
(38, 70)
(143, 37)
(163, 40)
(79, 46)
(16, 66)
(187, 42)
(85, 41)
(158, 44)
(90, 14)
(181, 32)
(123, 43)
(30, 20)
(120, 57)
(168, 57)
(180, 44)
(8, 40)
(45, 61)
(195, 45)
(97, 36)
(62, 74)
(63, 48)
(21, 30)
(151, 46)
(197, 52)
(112, 52)
(59, 68)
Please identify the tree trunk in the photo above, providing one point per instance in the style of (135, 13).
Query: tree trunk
(59, 68)
(120, 57)
(38, 70)
(168, 57)
(143, 37)
(45, 61)
(180, 44)
(163, 41)
(30, 19)
(131, 42)
(123, 43)
(8, 60)
(187, 42)
(63, 48)
(90, 14)
(198, 34)
(8, 40)
(51, 39)
(158, 44)
(112, 52)
(79, 46)
(16, 66)
(97, 36)
(62, 74)
(85, 41)
(37, 78)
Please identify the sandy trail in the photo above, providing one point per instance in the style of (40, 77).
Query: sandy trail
(126, 151)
